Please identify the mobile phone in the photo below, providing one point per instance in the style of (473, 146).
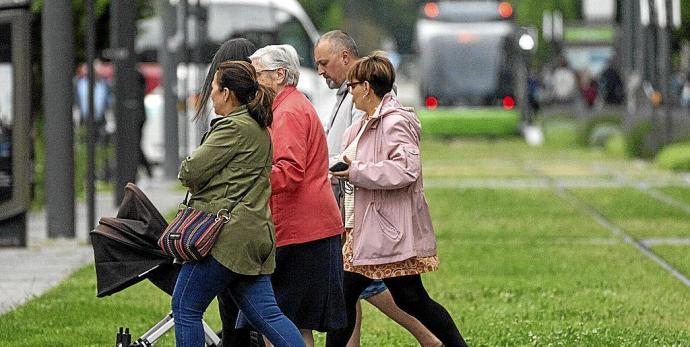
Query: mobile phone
(339, 166)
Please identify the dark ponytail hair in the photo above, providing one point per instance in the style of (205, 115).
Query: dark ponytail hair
(240, 78)
(262, 104)
(234, 49)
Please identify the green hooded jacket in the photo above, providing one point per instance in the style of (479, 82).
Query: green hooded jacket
(235, 154)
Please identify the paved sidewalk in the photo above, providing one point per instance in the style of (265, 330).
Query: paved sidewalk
(29, 272)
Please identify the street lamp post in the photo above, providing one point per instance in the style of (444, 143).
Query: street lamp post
(91, 128)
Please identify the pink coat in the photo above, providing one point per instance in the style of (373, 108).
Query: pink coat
(392, 221)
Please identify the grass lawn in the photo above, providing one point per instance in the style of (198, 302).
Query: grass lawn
(637, 213)
(681, 194)
(676, 255)
(518, 266)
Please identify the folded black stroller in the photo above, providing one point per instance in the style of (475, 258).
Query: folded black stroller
(126, 252)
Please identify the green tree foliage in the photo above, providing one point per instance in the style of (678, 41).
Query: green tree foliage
(102, 9)
(326, 15)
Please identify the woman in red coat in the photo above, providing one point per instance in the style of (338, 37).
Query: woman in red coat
(309, 269)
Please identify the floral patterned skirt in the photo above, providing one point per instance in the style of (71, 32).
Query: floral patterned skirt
(407, 267)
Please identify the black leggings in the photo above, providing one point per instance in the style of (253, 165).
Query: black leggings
(228, 316)
(409, 294)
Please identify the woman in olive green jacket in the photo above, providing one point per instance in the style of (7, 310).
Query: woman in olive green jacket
(234, 159)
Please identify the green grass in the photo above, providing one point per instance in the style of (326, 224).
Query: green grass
(519, 267)
(637, 213)
(70, 314)
(469, 122)
(676, 255)
(679, 193)
(560, 131)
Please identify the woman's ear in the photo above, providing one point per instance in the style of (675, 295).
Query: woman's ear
(281, 75)
(226, 94)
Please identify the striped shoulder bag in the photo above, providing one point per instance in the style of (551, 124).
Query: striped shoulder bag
(192, 234)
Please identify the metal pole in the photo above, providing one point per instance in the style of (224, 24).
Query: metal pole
(640, 39)
(666, 86)
(627, 42)
(91, 126)
(58, 69)
(652, 69)
(169, 82)
(196, 77)
(521, 76)
(128, 110)
(183, 59)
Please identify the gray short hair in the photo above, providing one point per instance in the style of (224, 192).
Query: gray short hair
(340, 40)
(280, 57)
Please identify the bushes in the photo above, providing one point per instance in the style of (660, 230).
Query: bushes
(596, 131)
(560, 131)
(607, 132)
(469, 122)
(675, 157)
(637, 142)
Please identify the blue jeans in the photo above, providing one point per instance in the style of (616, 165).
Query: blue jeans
(375, 288)
(199, 282)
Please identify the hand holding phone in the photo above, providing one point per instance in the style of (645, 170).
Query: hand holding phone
(338, 167)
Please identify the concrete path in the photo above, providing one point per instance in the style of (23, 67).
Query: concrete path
(29, 272)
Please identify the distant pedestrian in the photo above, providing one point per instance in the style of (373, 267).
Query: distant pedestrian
(309, 267)
(533, 90)
(389, 234)
(563, 82)
(140, 116)
(102, 101)
(588, 88)
(334, 53)
(102, 97)
(231, 161)
(685, 93)
(611, 85)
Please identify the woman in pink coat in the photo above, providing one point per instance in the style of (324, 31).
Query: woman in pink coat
(388, 231)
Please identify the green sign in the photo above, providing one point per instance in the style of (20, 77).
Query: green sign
(589, 34)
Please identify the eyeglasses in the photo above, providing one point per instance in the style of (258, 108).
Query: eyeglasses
(351, 85)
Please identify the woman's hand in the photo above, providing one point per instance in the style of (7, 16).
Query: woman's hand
(346, 173)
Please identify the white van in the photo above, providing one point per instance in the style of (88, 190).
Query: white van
(263, 22)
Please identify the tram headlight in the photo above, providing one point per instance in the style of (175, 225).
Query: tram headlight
(526, 42)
